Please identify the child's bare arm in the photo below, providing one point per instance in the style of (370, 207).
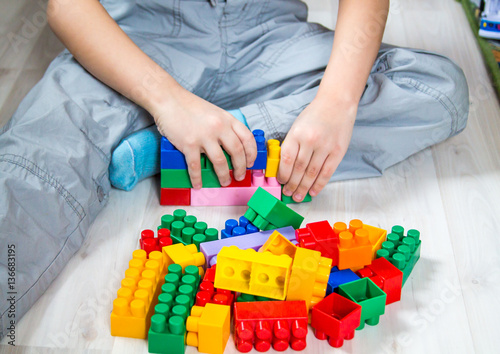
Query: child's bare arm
(192, 124)
(319, 138)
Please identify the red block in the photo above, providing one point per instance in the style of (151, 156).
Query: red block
(246, 182)
(386, 276)
(270, 323)
(175, 196)
(149, 243)
(336, 318)
(320, 236)
(207, 293)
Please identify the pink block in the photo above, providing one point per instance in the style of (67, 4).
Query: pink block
(235, 195)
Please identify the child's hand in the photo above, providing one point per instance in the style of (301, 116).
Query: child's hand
(196, 126)
(314, 147)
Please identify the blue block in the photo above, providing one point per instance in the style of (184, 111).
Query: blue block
(261, 160)
(170, 157)
(339, 277)
(234, 228)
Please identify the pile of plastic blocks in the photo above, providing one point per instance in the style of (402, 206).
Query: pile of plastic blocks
(267, 277)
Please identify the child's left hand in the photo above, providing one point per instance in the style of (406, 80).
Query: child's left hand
(314, 147)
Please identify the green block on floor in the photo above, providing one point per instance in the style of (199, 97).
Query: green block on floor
(367, 294)
(186, 229)
(402, 251)
(168, 325)
(265, 209)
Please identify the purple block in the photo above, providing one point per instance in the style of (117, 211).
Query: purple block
(255, 241)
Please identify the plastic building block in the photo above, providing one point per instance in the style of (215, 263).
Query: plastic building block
(254, 241)
(402, 251)
(355, 249)
(319, 236)
(248, 271)
(335, 318)
(173, 159)
(338, 277)
(278, 244)
(263, 324)
(235, 195)
(376, 237)
(371, 298)
(149, 243)
(246, 182)
(184, 256)
(175, 196)
(186, 229)
(251, 298)
(309, 277)
(237, 228)
(209, 328)
(386, 276)
(168, 324)
(170, 157)
(134, 304)
(265, 209)
(261, 159)
(209, 294)
(273, 157)
(171, 178)
(289, 200)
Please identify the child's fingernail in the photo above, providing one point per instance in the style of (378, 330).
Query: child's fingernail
(313, 193)
(287, 192)
(298, 197)
(197, 186)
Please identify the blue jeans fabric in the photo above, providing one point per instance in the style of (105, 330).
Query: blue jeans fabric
(261, 56)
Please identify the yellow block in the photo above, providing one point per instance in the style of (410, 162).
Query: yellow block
(209, 328)
(273, 157)
(376, 237)
(309, 277)
(183, 255)
(251, 272)
(137, 297)
(278, 244)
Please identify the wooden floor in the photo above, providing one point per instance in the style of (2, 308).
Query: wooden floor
(450, 192)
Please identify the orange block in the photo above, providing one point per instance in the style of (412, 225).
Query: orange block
(355, 249)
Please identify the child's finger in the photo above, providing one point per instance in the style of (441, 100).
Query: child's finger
(310, 175)
(247, 139)
(299, 167)
(194, 167)
(218, 159)
(234, 148)
(326, 173)
(289, 150)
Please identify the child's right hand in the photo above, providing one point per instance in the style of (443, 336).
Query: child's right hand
(196, 126)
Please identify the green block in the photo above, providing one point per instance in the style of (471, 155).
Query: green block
(186, 229)
(168, 324)
(266, 209)
(251, 298)
(367, 294)
(171, 178)
(402, 251)
(289, 200)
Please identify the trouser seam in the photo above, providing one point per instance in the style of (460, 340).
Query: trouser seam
(434, 93)
(268, 120)
(44, 176)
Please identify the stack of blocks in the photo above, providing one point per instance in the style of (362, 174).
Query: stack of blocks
(338, 278)
(176, 187)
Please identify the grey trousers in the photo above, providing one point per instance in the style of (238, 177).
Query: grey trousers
(260, 56)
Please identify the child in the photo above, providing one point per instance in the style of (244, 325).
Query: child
(350, 106)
